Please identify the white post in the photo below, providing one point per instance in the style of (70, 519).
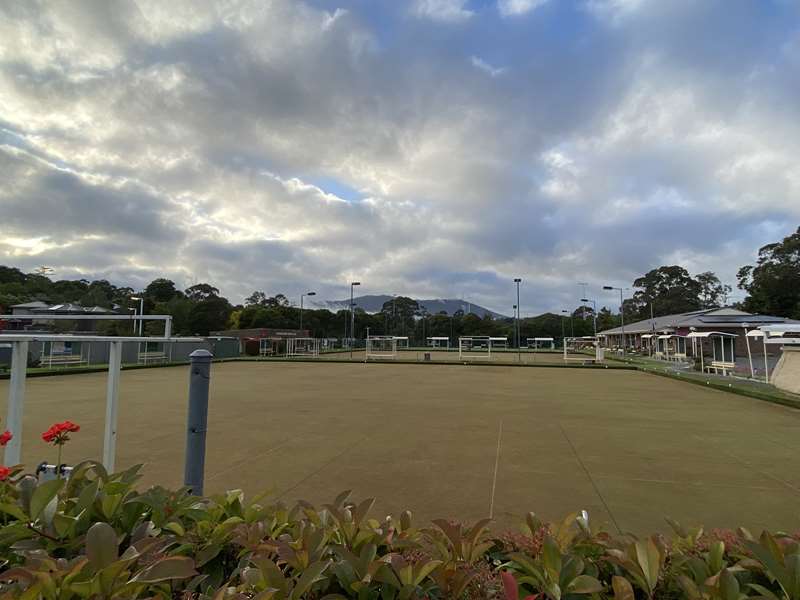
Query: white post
(168, 328)
(112, 401)
(700, 347)
(749, 355)
(766, 364)
(16, 400)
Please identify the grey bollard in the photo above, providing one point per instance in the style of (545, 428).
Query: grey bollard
(197, 421)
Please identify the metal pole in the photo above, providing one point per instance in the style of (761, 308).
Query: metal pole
(766, 363)
(112, 402)
(622, 319)
(141, 314)
(352, 323)
(749, 355)
(519, 355)
(301, 311)
(16, 400)
(197, 420)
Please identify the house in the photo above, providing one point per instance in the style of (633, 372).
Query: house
(33, 316)
(713, 331)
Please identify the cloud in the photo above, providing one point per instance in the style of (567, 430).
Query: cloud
(510, 8)
(293, 143)
(486, 67)
(451, 11)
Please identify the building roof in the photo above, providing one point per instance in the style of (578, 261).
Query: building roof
(34, 304)
(711, 318)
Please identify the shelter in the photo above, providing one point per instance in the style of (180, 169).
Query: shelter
(541, 342)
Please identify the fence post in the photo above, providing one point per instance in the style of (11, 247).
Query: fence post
(197, 421)
(112, 403)
(16, 400)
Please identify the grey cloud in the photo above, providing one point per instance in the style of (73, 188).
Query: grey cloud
(186, 138)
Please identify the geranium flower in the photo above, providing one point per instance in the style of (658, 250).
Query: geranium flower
(4, 472)
(5, 437)
(58, 434)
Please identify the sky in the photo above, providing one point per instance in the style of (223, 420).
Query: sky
(433, 148)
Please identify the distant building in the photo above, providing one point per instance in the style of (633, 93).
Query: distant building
(25, 316)
(686, 335)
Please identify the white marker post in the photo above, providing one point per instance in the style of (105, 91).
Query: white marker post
(112, 403)
(16, 401)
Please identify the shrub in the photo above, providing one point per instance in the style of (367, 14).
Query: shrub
(96, 536)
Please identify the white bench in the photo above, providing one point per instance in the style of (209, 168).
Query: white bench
(62, 360)
(718, 365)
(151, 357)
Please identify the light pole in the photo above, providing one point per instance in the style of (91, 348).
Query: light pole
(594, 313)
(301, 306)
(583, 295)
(621, 313)
(517, 280)
(141, 311)
(563, 333)
(352, 317)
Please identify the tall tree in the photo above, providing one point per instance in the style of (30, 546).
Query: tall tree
(713, 293)
(201, 291)
(161, 290)
(671, 289)
(773, 283)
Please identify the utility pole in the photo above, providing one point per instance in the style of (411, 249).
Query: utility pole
(517, 280)
(301, 306)
(352, 317)
(621, 313)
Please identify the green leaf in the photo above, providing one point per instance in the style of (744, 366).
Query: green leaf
(622, 588)
(42, 496)
(87, 496)
(584, 584)
(765, 593)
(175, 528)
(102, 547)
(174, 567)
(63, 523)
(425, 570)
(109, 505)
(649, 559)
(307, 579)
(715, 554)
(728, 586)
(552, 558)
(13, 510)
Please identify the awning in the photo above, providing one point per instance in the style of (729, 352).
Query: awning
(781, 329)
(705, 334)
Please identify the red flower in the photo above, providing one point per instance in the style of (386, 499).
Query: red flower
(58, 434)
(4, 472)
(5, 437)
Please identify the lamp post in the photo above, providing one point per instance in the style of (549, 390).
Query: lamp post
(352, 317)
(594, 313)
(141, 311)
(517, 280)
(563, 333)
(301, 306)
(621, 313)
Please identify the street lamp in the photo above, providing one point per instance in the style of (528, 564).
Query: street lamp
(301, 306)
(352, 317)
(594, 314)
(563, 333)
(141, 311)
(621, 313)
(517, 280)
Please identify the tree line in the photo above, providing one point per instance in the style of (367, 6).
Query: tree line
(772, 286)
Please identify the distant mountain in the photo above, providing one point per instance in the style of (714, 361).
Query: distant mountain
(374, 303)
